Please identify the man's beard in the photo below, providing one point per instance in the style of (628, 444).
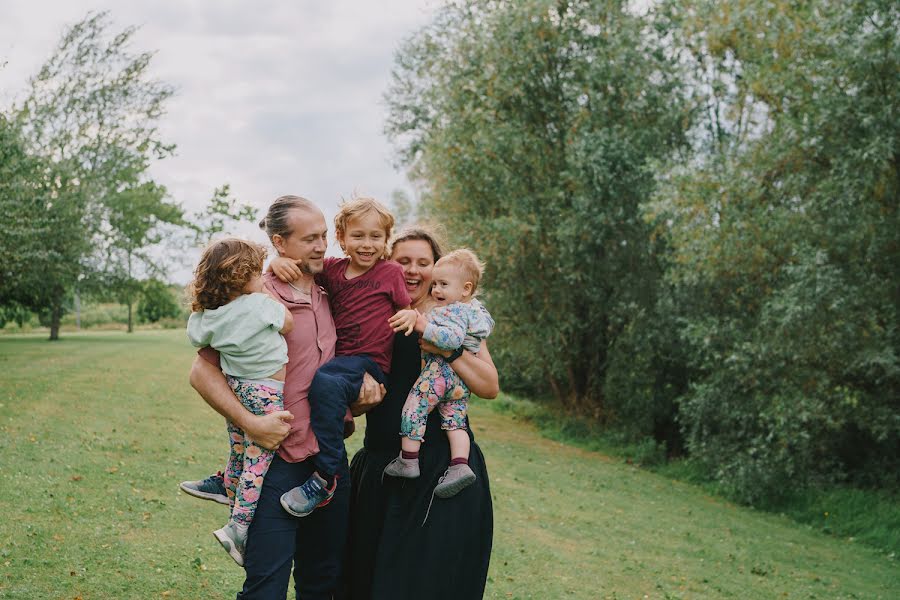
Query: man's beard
(305, 267)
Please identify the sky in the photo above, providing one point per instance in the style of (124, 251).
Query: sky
(277, 97)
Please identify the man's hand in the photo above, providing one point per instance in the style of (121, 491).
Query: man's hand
(371, 393)
(404, 320)
(286, 269)
(269, 430)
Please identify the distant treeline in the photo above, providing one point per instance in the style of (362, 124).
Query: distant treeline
(689, 216)
(158, 305)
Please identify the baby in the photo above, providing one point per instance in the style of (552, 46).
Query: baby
(458, 322)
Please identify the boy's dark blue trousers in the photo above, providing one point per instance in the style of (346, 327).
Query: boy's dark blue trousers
(334, 388)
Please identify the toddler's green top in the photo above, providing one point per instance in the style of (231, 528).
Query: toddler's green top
(245, 332)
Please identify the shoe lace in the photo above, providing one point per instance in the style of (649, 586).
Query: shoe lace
(428, 510)
(311, 488)
(215, 481)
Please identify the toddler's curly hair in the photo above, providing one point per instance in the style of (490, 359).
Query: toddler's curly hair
(225, 268)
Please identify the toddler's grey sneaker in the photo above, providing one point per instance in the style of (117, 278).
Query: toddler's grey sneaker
(455, 479)
(233, 538)
(211, 488)
(403, 467)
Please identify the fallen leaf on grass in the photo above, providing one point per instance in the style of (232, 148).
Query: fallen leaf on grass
(76, 477)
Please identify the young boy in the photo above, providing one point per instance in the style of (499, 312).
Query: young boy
(365, 290)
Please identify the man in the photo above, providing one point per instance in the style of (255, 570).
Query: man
(312, 547)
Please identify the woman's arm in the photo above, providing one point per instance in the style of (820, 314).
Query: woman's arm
(476, 370)
(266, 430)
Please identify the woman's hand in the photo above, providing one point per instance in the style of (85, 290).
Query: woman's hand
(476, 370)
(286, 269)
(404, 320)
(371, 393)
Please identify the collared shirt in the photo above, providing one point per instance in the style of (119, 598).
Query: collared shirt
(310, 345)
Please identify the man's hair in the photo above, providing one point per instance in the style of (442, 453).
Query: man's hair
(358, 206)
(225, 268)
(468, 264)
(275, 221)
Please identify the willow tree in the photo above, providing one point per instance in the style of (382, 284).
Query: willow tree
(531, 126)
(785, 238)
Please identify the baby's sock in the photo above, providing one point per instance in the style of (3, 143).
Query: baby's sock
(459, 461)
(409, 455)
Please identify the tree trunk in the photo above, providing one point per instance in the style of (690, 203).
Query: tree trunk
(77, 310)
(130, 325)
(55, 317)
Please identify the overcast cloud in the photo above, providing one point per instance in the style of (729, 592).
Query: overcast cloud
(273, 97)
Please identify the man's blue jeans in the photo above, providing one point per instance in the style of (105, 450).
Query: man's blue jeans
(312, 546)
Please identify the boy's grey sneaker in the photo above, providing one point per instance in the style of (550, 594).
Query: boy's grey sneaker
(211, 488)
(455, 479)
(233, 538)
(403, 467)
(304, 498)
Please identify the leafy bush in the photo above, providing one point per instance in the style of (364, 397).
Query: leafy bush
(157, 302)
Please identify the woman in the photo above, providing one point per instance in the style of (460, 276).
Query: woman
(405, 543)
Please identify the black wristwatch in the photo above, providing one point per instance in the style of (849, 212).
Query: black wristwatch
(456, 354)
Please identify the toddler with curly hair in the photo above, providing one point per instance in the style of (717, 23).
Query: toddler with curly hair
(235, 314)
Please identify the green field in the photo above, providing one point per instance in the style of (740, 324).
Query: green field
(98, 429)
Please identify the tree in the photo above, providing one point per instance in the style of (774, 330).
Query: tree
(222, 212)
(91, 114)
(401, 207)
(531, 128)
(136, 217)
(41, 246)
(157, 302)
(785, 240)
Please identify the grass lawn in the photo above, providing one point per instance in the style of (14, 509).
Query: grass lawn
(98, 429)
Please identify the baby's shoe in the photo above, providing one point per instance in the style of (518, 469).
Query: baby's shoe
(233, 538)
(455, 479)
(403, 467)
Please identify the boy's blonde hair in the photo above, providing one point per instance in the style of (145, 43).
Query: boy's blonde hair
(357, 206)
(225, 268)
(468, 264)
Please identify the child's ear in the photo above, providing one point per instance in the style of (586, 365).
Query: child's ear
(468, 287)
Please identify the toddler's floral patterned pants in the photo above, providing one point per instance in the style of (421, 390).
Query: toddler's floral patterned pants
(248, 462)
(437, 385)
